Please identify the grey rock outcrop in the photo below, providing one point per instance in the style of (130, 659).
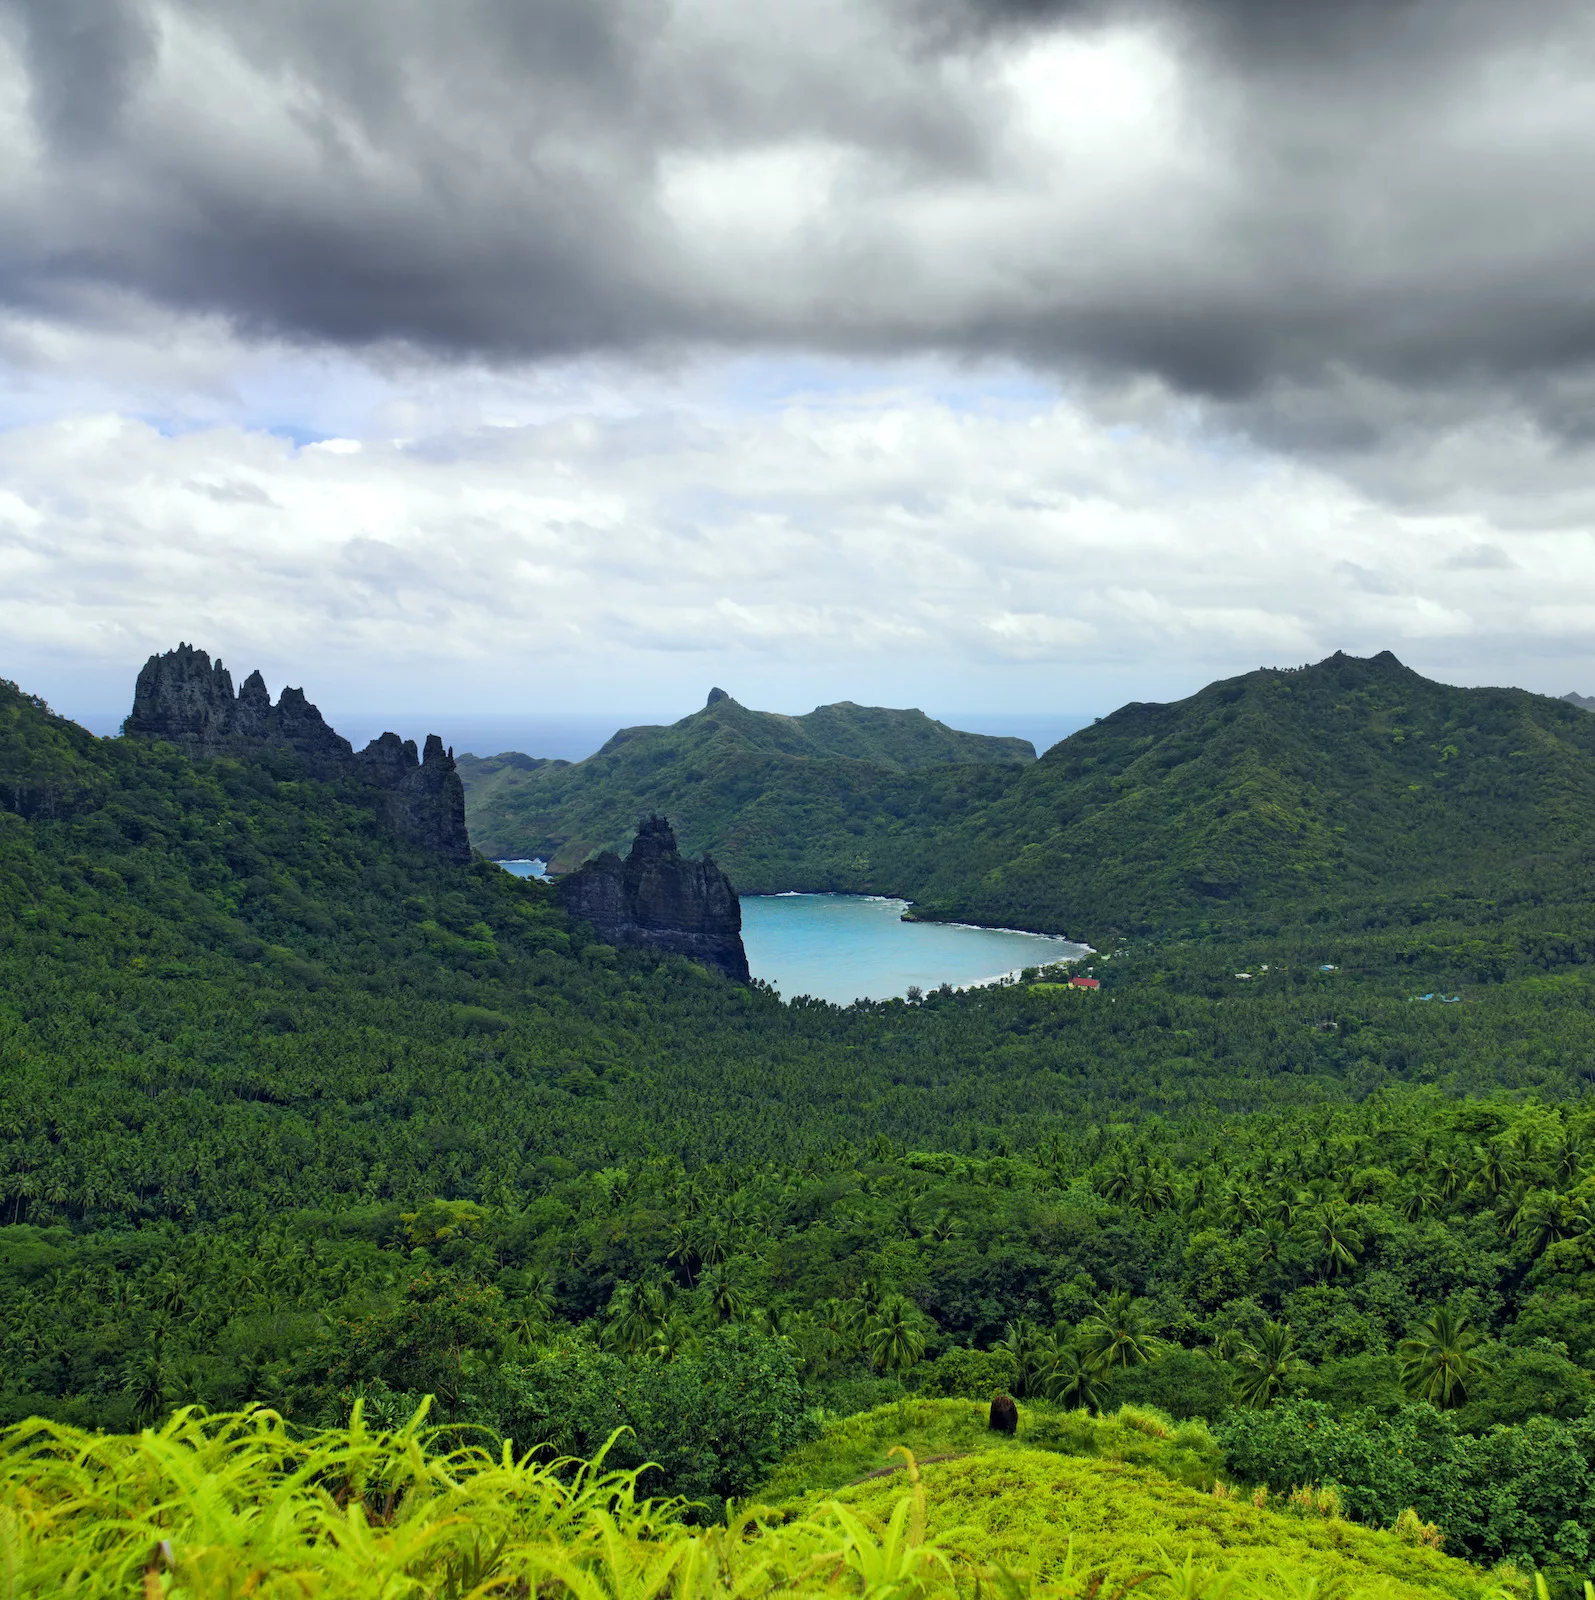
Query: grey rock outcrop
(185, 699)
(658, 897)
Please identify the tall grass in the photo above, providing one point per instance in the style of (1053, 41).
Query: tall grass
(240, 1505)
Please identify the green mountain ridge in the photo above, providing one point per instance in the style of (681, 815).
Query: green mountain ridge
(1351, 783)
(779, 800)
(1342, 788)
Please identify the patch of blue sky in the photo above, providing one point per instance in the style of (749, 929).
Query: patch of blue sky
(298, 437)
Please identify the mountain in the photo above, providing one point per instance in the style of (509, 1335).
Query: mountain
(780, 801)
(1573, 697)
(1351, 783)
(1350, 786)
(185, 700)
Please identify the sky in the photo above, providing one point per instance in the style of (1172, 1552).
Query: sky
(987, 356)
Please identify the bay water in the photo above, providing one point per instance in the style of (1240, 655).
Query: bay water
(846, 947)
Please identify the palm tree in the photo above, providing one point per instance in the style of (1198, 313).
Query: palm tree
(1438, 1360)
(148, 1380)
(1551, 1218)
(866, 1299)
(832, 1329)
(669, 1340)
(1118, 1180)
(1495, 1165)
(1152, 1191)
(1029, 1347)
(1417, 1200)
(626, 1329)
(1518, 1205)
(1266, 1365)
(894, 1338)
(1448, 1175)
(1243, 1207)
(683, 1251)
(1116, 1335)
(1338, 1241)
(1069, 1379)
(944, 1226)
(725, 1299)
(1567, 1156)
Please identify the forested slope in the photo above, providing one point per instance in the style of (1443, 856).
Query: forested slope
(781, 802)
(1324, 793)
(290, 1111)
(1340, 793)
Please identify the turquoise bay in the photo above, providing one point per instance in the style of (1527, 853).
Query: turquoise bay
(842, 947)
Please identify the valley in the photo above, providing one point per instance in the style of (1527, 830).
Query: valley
(303, 1107)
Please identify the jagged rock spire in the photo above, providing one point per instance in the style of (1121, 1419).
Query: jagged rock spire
(659, 897)
(187, 700)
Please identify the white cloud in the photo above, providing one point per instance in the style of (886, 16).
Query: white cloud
(869, 538)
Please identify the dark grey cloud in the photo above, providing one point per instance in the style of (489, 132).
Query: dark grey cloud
(1268, 205)
(84, 59)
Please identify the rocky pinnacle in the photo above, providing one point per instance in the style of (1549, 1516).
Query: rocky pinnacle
(659, 897)
(187, 700)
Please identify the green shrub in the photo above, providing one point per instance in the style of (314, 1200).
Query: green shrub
(712, 1422)
(965, 1374)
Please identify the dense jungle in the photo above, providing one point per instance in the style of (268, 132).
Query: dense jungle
(299, 1115)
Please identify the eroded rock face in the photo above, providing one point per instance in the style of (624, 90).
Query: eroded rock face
(658, 897)
(186, 699)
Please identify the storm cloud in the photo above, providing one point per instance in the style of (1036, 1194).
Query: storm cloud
(1273, 207)
(959, 351)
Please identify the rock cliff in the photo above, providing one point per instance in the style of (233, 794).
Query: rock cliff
(657, 897)
(186, 699)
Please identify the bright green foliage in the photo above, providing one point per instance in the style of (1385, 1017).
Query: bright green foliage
(240, 1505)
(1057, 1520)
(1524, 1491)
(781, 802)
(852, 1448)
(1075, 1496)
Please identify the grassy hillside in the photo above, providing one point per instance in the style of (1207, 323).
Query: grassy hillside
(1321, 793)
(240, 1505)
(780, 802)
(1072, 1496)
